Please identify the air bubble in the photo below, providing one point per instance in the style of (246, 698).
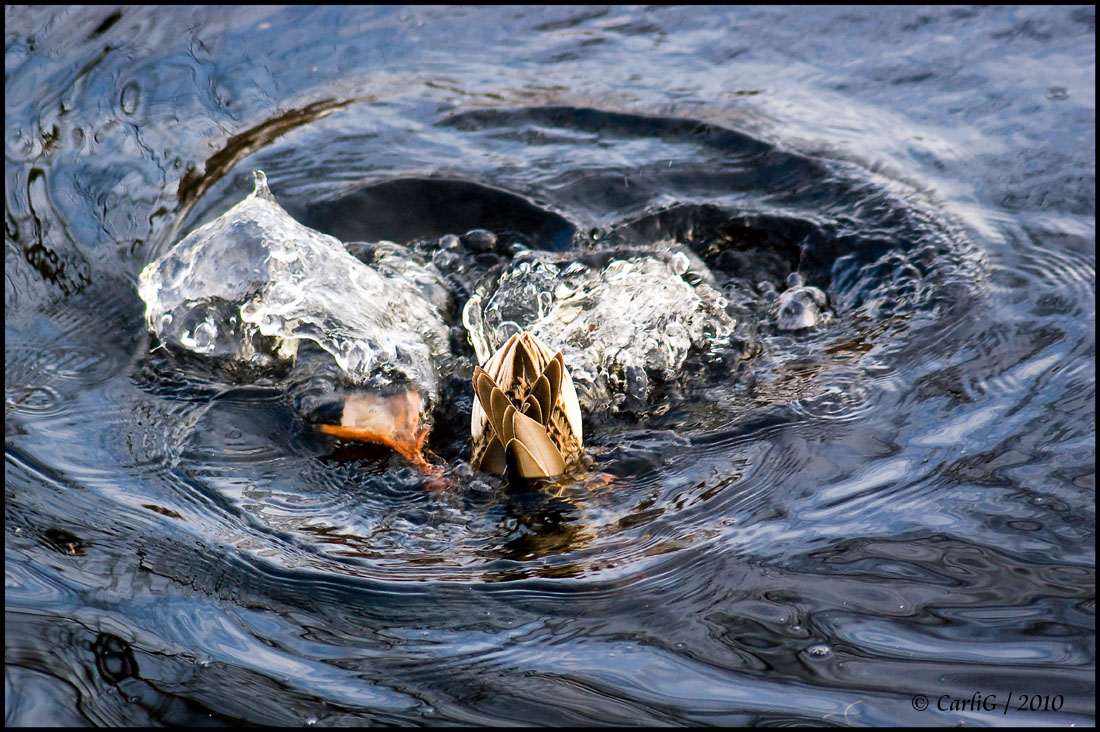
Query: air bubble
(131, 94)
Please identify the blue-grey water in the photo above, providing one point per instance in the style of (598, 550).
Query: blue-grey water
(895, 506)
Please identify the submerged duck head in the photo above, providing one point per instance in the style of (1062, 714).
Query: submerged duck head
(259, 292)
(392, 420)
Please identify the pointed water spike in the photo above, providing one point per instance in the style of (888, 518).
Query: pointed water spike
(260, 189)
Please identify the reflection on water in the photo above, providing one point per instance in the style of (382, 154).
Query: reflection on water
(898, 500)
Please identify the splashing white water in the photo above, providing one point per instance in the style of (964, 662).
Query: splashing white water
(252, 284)
(623, 326)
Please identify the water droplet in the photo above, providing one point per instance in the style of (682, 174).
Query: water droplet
(204, 335)
(819, 651)
(480, 240)
(1057, 93)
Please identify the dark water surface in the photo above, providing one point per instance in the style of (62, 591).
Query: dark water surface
(899, 502)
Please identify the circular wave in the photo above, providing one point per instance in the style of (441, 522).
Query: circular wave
(710, 460)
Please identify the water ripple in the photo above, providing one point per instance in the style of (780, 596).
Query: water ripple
(898, 500)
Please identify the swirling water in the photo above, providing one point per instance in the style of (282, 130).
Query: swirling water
(897, 502)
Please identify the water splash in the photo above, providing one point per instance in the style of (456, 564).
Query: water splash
(250, 286)
(624, 322)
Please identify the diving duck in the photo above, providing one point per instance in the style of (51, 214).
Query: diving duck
(526, 420)
(361, 347)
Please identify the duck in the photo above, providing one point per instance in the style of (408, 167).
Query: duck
(361, 347)
(394, 421)
(526, 419)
